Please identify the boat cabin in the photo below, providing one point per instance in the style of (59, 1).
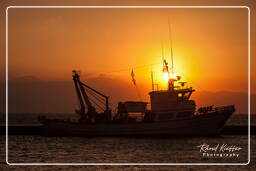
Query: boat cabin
(131, 109)
(172, 104)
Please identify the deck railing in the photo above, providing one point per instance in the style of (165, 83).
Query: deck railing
(226, 108)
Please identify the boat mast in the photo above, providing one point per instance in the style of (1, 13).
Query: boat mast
(170, 39)
(78, 92)
(171, 80)
(86, 102)
(152, 81)
(83, 97)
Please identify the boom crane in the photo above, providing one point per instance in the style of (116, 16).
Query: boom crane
(91, 115)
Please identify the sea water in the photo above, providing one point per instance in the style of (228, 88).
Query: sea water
(136, 150)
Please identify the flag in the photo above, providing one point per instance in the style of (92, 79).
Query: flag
(165, 66)
(133, 77)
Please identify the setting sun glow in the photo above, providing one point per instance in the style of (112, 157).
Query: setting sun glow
(172, 76)
(166, 76)
(106, 44)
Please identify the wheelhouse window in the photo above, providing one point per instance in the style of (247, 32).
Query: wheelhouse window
(186, 95)
(180, 96)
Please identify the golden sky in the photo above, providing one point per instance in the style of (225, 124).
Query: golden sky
(210, 45)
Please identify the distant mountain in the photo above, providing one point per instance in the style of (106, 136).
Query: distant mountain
(240, 100)
(32, 95)
(25, 79)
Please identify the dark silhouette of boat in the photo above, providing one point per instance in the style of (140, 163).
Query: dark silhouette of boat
(171, 113)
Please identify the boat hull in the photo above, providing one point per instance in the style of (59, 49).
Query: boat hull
(205, 124)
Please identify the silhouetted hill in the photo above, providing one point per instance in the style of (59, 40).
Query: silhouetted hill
(221, 98)
(32, 95)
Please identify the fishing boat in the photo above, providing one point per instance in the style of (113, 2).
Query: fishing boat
(171, 112)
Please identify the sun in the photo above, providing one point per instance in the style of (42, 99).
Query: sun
(166, 76)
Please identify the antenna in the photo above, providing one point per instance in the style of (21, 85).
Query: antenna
(170, 37)
(152, 80)
(162, 51)
(153, 84)
(165, 64)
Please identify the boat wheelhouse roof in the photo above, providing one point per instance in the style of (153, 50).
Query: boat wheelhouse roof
(179, 90)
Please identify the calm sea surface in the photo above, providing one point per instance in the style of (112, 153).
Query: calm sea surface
(41, 149)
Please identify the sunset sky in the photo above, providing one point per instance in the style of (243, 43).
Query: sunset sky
(210, 50)
(210, 45)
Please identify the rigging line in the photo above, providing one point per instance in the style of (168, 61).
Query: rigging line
(98, 96)
(90, 94)
(162, 46)
(163, 60)
(100, 100)
(97, 104)
(170, 39)
(97, 101)
(137, 67)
